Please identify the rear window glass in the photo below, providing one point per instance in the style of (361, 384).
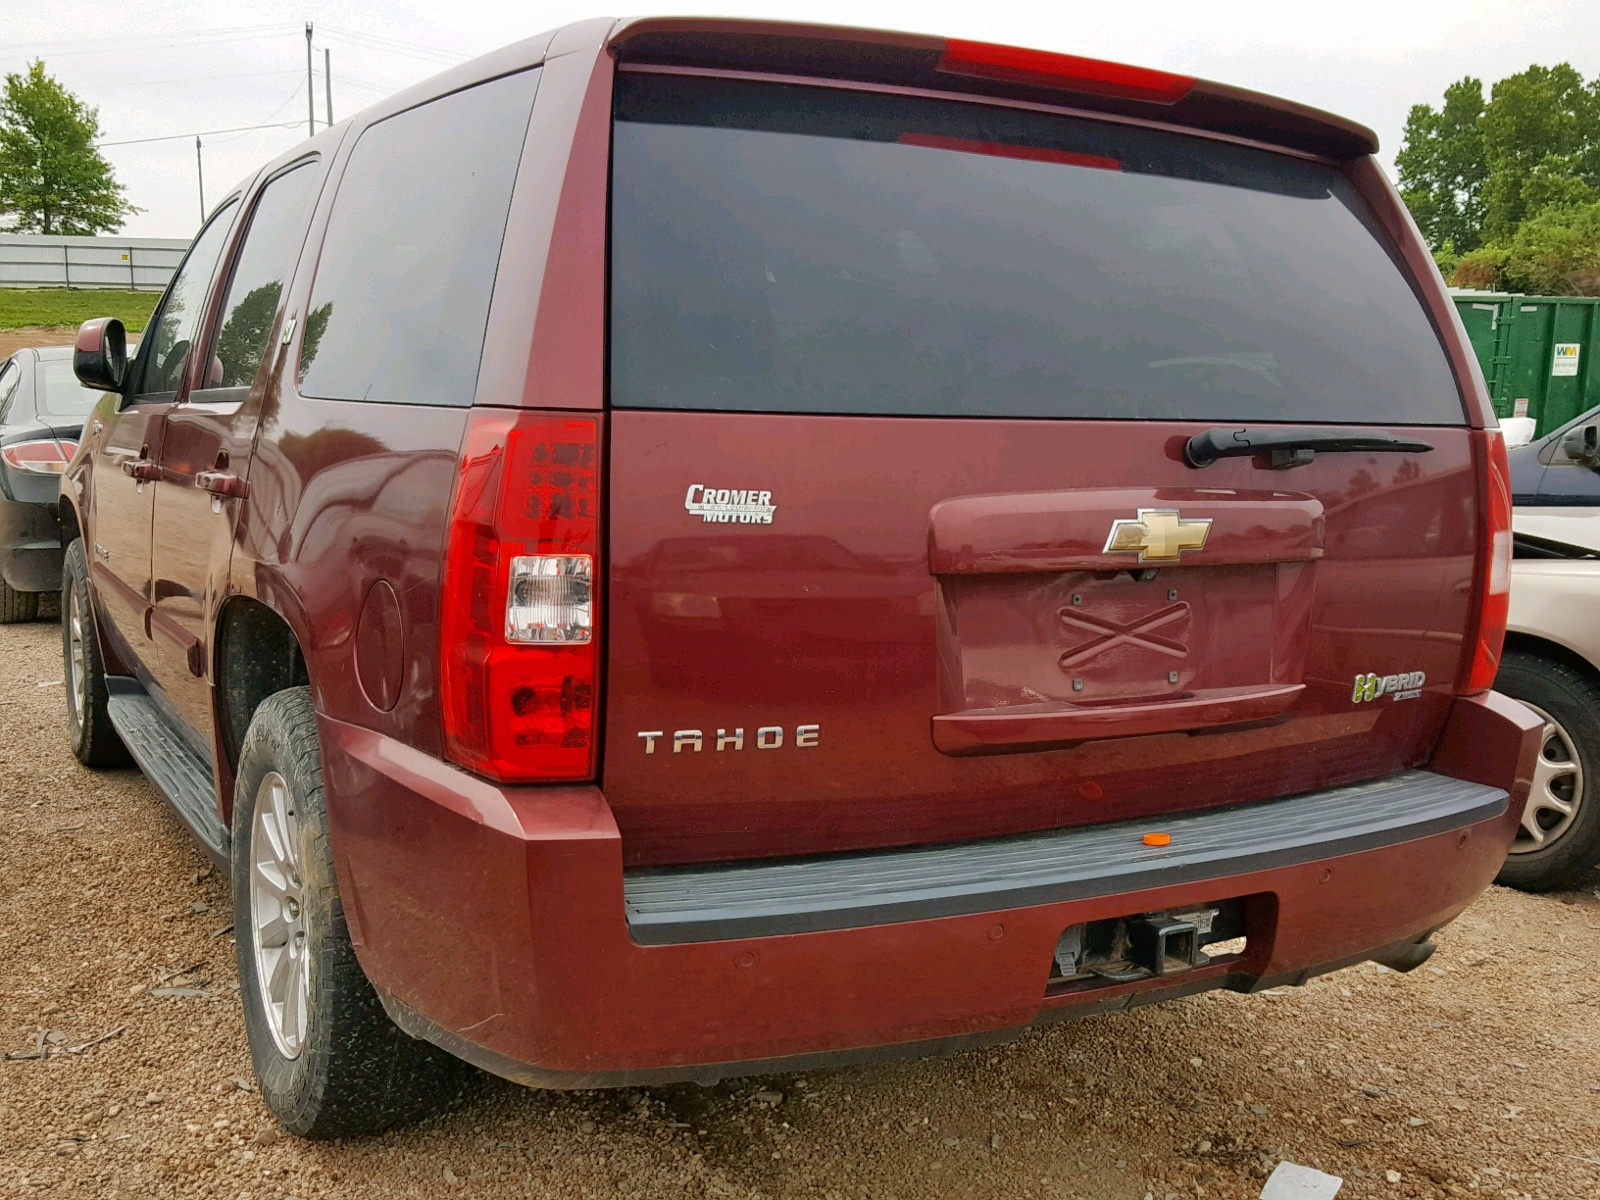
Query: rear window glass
(401, 298)
(60, 394)
(796, 249)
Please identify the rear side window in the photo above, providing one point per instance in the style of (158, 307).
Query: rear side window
(10, 376)
(271, 245)
(789, 249)
(401, 297)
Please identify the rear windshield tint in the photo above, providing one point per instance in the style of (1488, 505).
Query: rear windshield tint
(796, 249)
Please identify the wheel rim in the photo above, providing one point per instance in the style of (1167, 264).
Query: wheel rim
(277, 915)
(77, 658)
(1557, 789)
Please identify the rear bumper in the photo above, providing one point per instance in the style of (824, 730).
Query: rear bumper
(30, 546)
(500, 922)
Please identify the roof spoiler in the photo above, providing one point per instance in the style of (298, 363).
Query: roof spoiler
(981, 68)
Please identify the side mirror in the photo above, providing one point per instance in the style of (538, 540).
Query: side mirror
(1582, 445)
(100, 357)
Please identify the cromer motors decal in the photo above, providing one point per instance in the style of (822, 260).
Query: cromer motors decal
(1407, 686)
(729, 506)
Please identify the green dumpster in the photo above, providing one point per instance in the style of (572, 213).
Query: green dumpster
(1537, 353)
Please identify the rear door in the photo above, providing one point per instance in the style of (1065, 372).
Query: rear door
(205, 449)
(903, 542)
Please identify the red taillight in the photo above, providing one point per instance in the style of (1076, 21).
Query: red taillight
(40, 458)
(1016, 65)
(1495, 567)
(519, 664)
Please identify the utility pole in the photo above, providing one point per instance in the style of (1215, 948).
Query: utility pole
(311, 91)
(200, 175)
(327, 82)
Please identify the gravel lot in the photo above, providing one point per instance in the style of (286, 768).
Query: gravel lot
(12, 340)
(1479, 1074)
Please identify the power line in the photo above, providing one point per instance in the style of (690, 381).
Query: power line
(367, 86)
(273, 115)
(378, 39)
(192, 79)
(170, 137)
(103, 45)
(392, 46)
(131, 39)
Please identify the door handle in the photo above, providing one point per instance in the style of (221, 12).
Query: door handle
(222, 483)
(143, 469)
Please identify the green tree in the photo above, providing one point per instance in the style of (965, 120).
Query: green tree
(243, 339)
(1473, 170)
(1540, 125)
(1556, 253)
(52, 179)
(1442, 167)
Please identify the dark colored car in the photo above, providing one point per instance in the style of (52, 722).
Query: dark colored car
(42, 406)
(1560, 469)
(686, 547)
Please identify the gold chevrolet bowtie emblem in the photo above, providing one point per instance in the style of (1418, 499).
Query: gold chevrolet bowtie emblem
(1157, 535)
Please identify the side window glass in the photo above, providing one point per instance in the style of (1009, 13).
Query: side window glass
(260, 273)
(10, 376)
(164, 348)
(401, 298)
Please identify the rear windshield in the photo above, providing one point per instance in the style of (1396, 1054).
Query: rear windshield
(60, 393)
(798, 249)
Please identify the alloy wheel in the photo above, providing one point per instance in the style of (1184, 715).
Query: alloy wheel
(77, 658)
(1557, 789)
(277, 915)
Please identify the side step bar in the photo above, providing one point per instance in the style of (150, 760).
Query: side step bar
(734, 900)
(178, 773)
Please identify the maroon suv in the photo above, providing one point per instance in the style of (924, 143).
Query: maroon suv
(693, 547)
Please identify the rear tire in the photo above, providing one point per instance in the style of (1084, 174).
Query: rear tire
(94, 740)
(15, 606)
(1567, 845)
(329, 1061)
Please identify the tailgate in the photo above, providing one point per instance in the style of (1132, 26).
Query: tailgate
(903, 547)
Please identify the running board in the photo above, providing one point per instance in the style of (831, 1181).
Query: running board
(178, 773)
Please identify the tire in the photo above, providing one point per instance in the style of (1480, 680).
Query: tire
(15, 606)
(343, 1069)
(94, 741)
(1568, 772)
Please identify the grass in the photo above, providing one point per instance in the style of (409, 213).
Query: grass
(21, 307)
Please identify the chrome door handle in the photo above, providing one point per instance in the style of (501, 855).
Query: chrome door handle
(142, 469)
(222, 483)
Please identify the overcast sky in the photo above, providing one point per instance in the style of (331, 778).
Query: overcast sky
(187, 66)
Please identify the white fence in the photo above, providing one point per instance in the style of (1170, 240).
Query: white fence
(33, 260)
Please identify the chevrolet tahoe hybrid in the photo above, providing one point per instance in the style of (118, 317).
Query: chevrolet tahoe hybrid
(692, 547)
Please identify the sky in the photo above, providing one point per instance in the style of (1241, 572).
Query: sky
(181, 67)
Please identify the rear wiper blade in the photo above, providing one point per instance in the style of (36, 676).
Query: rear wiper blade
(1292, 447)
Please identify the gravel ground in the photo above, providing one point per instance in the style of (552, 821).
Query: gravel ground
(1479, 1074)
(12, 340)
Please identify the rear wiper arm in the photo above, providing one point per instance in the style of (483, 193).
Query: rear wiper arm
(1292, 447)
